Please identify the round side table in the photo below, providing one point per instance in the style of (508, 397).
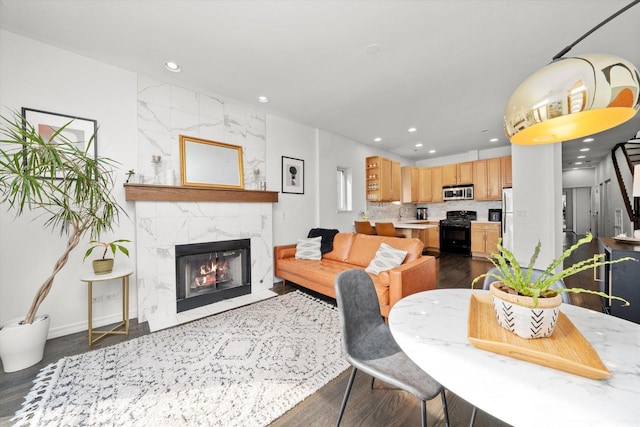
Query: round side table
(121, 328)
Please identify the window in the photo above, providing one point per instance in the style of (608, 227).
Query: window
(344, 189)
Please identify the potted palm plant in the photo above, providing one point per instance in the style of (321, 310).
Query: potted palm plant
(104, 265)
(521, 297)
(72, 191)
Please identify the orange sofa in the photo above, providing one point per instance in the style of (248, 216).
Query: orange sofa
(350, 250)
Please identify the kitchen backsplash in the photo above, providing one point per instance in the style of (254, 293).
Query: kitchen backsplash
(437, 211)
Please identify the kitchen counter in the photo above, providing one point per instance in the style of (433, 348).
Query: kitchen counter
(407, 224)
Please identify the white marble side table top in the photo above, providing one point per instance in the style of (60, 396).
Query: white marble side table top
(431, 327)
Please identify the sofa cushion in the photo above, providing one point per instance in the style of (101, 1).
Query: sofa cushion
(364, 248)
(309, 248)
(387, 257)
(342, 243)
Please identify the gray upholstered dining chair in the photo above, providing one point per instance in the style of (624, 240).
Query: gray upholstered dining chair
(535, 273)
(370, 347)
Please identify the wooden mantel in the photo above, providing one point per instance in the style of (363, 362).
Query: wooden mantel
(173, 193)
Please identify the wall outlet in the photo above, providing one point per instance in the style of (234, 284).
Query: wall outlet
(98, 298)
(111, 297)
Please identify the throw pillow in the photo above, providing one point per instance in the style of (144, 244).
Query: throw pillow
(387, 257)
(309, 248)
(327, 238)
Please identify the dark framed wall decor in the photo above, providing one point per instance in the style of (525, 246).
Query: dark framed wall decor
(292, 175)
(80, 131)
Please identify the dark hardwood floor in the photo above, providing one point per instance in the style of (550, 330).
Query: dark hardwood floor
(381, 407)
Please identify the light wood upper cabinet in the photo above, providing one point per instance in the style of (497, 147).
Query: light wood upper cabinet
(383, 179)
(457, 174)
(487, 181)
(505, 165)
(410, 187)
(425, 192)
(436, 184)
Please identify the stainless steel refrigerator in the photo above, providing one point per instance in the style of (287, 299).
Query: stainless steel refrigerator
(507, 218)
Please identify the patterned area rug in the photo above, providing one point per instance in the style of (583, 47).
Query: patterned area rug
(245, 367)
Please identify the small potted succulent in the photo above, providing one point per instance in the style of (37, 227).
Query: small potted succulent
(517, 296)
(104, 265)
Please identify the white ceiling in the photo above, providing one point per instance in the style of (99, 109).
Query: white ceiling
(446, 67)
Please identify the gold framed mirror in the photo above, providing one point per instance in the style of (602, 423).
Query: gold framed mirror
(205, 163)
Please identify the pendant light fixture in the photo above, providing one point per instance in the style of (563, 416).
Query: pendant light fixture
(573, 97)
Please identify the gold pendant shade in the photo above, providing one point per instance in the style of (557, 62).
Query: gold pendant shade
(571, 98)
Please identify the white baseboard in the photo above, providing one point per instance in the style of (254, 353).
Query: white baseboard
(98, 322)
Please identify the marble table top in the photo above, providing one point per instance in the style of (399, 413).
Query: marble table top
(431, 328)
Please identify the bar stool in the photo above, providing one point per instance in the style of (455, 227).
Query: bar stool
(364, 227)
(387, 229)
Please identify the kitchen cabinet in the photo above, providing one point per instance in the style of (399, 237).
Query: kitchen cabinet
(620, 279)
(410, 184)
(383, 179)
(505, 166)
(487, 179)
(430, 237)
(425, 188)
(430, 184)
(484, 238)
(457, 174)
(436, 186)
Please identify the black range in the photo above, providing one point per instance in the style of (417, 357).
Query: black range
(455, 232)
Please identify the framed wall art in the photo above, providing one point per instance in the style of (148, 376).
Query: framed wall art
(292, 175)
(205, 163)
(80, 131)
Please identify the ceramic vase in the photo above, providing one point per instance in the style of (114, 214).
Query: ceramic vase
(103, 266)
(22, 345)
(515, 313)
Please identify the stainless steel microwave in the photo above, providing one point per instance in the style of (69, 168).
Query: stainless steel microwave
(458, 193)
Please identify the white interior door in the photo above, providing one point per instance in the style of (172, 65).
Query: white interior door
(582, 211)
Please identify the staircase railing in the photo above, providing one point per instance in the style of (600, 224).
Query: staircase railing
(632, 210)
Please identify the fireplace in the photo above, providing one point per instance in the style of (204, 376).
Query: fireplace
(212, 272)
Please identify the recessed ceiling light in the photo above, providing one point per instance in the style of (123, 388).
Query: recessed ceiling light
(377, 139)
(584, 149)
(577, 163)
(494, 140)
(172, 66)
(263, 99)
(588, 140)
(419, 144)
(581, 157)
(412, 129)
(432, 151)
(372, 49)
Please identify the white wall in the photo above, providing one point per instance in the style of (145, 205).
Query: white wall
(294, 214)
(39, 76)
(336, 151)
(469, 156)
(579, 178)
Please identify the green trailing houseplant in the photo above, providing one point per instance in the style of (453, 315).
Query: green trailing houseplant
(63, 183)
(513, 276)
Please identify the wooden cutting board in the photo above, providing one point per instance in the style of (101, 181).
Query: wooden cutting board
(566, 349)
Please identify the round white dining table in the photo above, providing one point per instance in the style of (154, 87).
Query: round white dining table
(431, 328)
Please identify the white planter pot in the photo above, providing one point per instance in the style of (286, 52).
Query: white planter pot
(514, 314)
(22, 346)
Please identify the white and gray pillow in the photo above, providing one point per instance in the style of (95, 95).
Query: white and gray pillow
(309, 248)
(387, 257)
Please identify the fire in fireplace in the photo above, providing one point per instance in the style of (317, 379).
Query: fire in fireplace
(212, 272)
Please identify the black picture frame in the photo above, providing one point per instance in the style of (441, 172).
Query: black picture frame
(292, 175)
(80, 131)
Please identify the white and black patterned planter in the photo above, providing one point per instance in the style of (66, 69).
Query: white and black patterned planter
(514, 314)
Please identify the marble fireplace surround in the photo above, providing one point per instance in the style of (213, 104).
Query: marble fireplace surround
(166, 216)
